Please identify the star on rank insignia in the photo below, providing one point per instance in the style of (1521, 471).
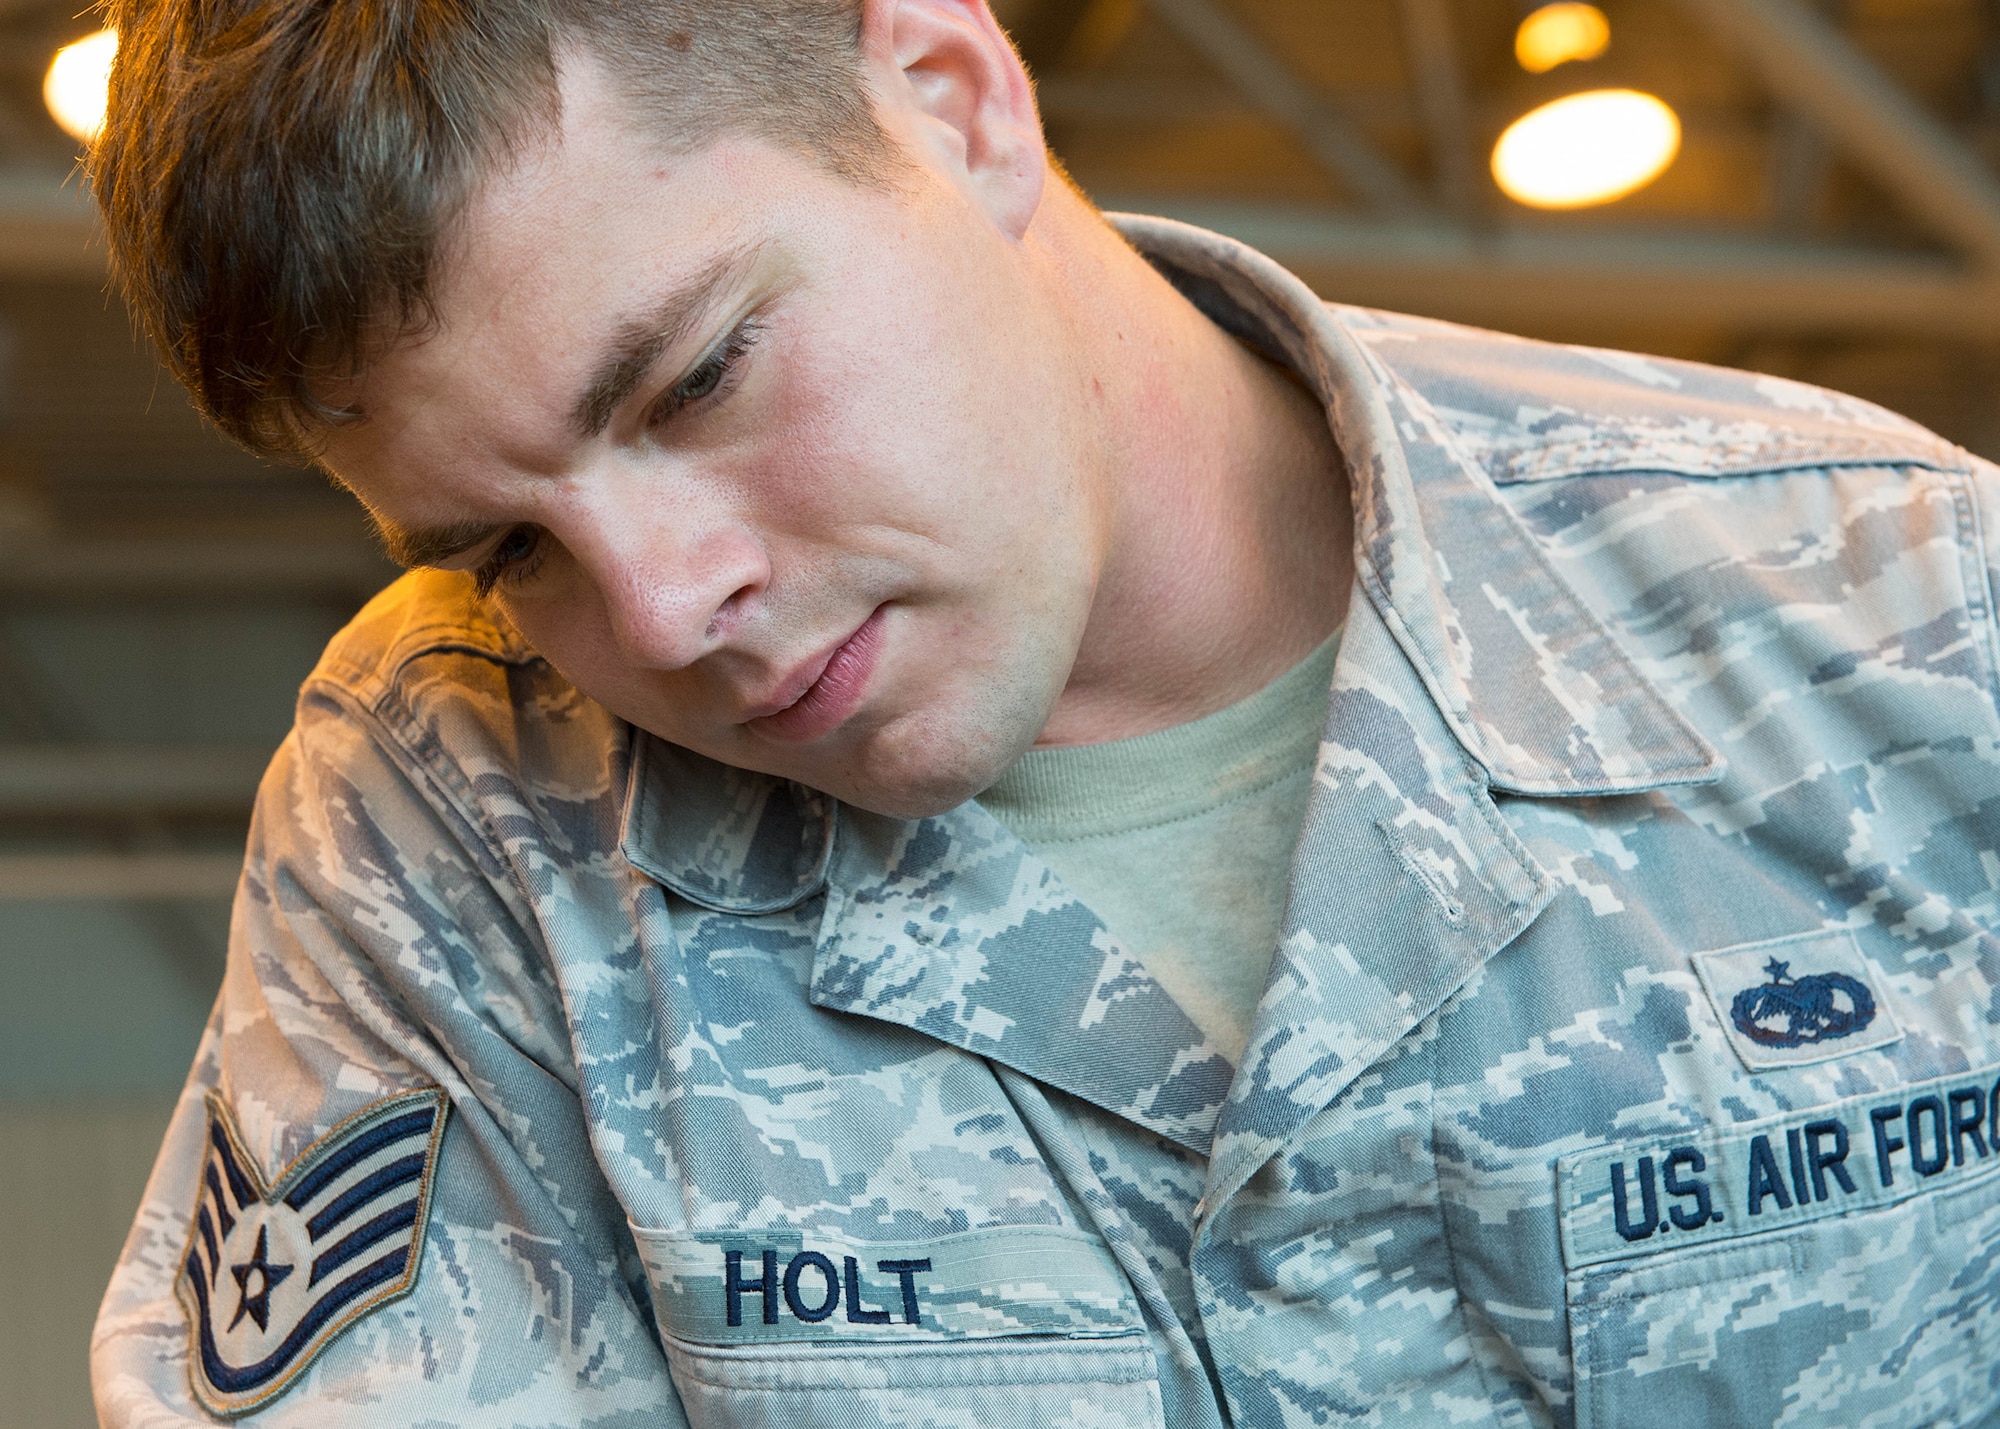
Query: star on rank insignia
(271, 1275)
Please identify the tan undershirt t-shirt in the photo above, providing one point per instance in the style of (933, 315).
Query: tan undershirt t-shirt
(1181, 840)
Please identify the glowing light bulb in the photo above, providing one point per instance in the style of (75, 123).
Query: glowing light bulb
(1586, 148)
(1557, 34)
(78, 78)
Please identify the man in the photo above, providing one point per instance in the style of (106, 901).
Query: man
(991, 820)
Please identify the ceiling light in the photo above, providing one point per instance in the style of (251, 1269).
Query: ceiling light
(78, 79)
(1586, 148)
(1557, 34)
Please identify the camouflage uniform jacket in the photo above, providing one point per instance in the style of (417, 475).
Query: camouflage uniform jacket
(1631, 1058)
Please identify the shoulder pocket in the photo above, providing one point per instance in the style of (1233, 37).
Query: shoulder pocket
(1013, 1325)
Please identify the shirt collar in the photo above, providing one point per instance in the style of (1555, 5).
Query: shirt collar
(721, 837)
(1530, 683)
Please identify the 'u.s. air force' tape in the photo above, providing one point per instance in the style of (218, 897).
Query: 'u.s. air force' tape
(752, 1287)
(271, 1276)
(1867, 1151)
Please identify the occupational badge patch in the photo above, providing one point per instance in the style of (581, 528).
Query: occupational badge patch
(1797, 1000)
(271, 1276)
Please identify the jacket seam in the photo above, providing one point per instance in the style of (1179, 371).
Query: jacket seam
(1781, 467)
(452, 639)
(1978, 590)
(1451, 1246)
(1907, 445)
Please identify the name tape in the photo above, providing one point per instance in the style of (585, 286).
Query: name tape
(1866, 1151)
(748, 1287)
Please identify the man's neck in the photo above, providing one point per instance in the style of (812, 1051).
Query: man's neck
(1226, 527)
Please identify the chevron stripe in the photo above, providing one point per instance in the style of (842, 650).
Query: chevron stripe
(353, 1204)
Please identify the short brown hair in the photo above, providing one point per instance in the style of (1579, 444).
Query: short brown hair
(276, 175)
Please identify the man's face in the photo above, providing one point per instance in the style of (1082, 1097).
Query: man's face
(787, 470)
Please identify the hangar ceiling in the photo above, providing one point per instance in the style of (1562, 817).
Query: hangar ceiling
(1833, 215)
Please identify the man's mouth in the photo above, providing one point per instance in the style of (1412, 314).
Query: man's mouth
(829, 687)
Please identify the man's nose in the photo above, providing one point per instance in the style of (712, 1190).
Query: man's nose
(672, 596)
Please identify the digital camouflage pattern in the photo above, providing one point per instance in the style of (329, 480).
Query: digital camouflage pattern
(770, 1112)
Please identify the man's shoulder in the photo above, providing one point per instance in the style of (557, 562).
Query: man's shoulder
(422, 619)
(445, 677)
(1524, 410)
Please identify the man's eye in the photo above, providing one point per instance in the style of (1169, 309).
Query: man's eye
(703, 380)
(713, 375)
(513, 559)
(517, 544)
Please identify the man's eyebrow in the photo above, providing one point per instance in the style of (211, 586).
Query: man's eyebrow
(640, 341)
(416, 546)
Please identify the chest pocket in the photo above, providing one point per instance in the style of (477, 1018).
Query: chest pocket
(1843, 1262)
(1026, 1326)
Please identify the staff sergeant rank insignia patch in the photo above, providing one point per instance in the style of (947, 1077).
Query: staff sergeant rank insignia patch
(271, 1276)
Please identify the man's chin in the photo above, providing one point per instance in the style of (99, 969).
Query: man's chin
(918, 778)
(919, 799)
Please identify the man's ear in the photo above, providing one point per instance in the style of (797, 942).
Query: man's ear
(944, 72)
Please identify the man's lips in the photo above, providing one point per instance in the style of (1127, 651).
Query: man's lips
(825, 689)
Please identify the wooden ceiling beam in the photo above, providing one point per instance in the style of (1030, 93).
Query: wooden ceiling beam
(1268, 84)
(1431, 54)
(168, 877)
(93, 780)
(177, 565)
